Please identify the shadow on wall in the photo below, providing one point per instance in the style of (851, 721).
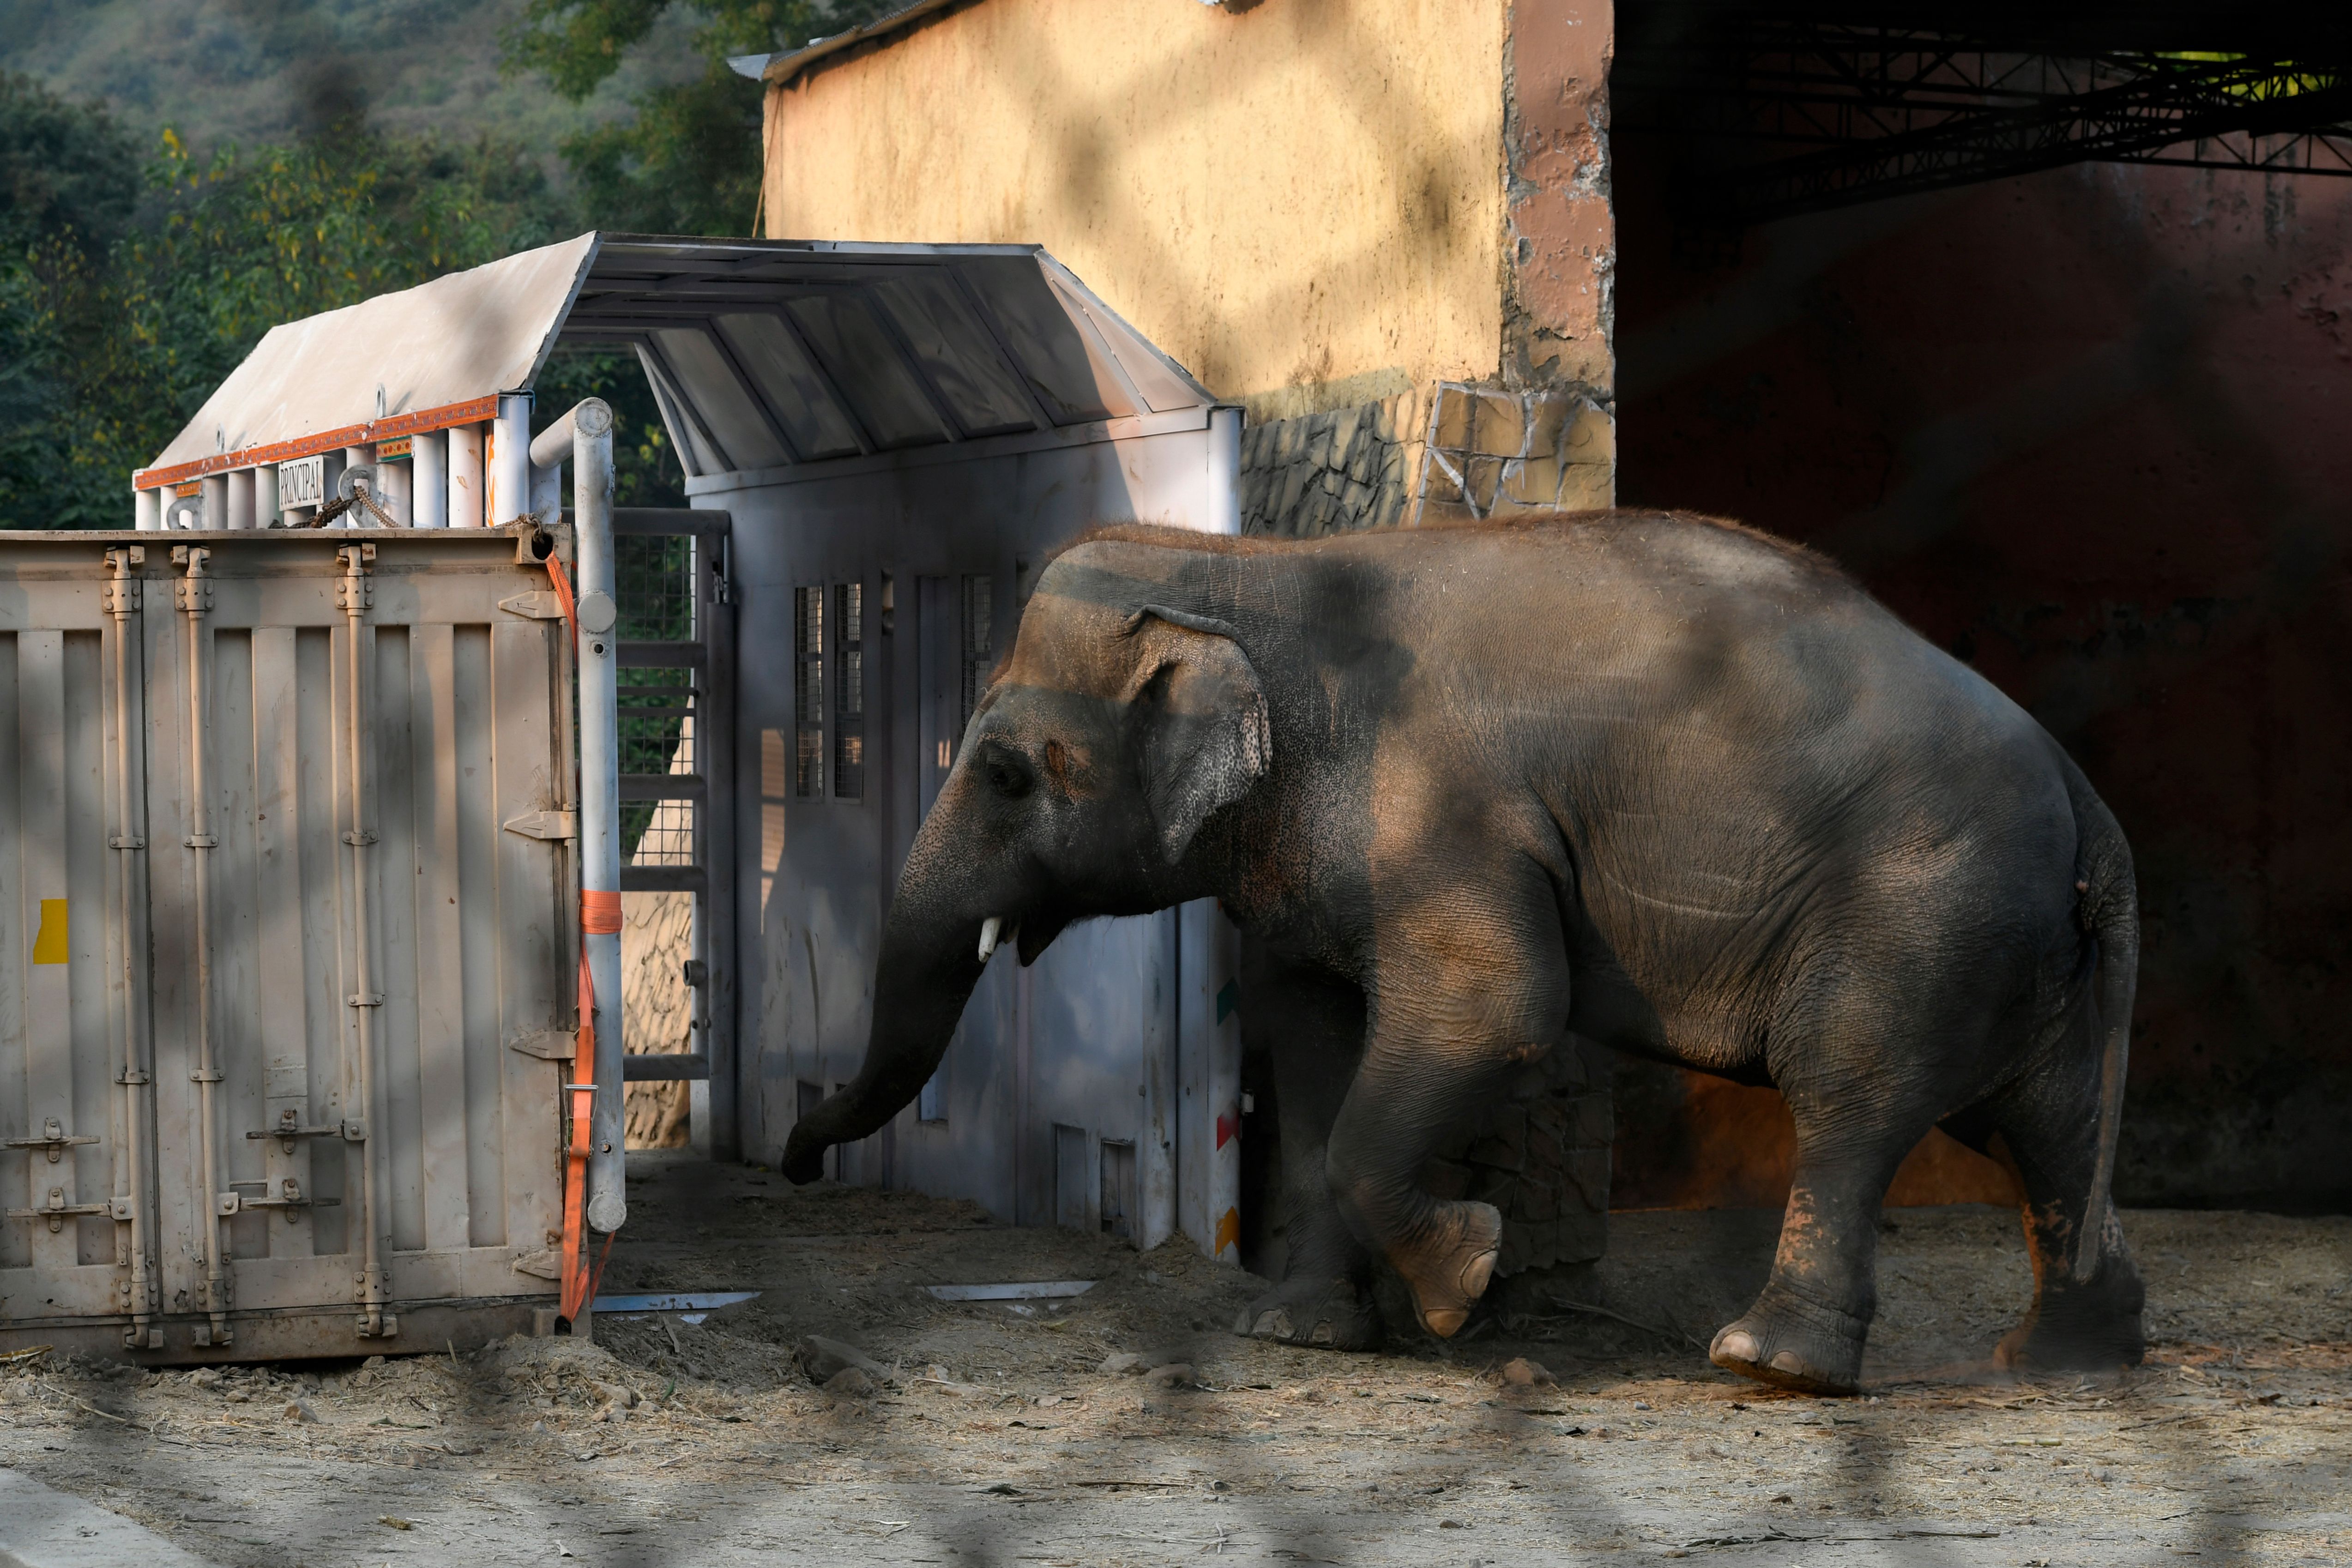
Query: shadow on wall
(2084, 430)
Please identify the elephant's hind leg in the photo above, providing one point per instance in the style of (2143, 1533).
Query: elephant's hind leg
(1806, 1330)
(2087, 1293)
(1312, 1023)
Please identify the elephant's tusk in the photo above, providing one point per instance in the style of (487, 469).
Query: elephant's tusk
(987, 930)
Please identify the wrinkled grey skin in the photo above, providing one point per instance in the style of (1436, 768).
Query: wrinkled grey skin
(1673, 785)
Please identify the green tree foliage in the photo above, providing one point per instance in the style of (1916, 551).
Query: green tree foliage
(126, 297)
(689, 161)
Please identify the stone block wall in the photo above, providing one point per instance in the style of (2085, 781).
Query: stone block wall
(1448, 452)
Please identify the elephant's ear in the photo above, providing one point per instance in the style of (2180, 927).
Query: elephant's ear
(1202, 716)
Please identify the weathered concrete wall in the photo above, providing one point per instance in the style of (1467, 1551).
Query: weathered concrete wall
(2086, 431)
(1302, 202)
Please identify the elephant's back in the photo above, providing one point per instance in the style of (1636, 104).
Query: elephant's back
(1734, 741)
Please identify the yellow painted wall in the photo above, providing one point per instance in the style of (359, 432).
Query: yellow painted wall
(1301, 201)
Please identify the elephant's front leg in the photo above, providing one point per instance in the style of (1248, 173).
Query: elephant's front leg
(1312, 1025)
(1468, 984)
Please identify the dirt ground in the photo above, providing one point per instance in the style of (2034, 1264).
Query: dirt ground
(999, 1437)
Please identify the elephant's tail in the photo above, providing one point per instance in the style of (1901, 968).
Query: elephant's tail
(2107, 903)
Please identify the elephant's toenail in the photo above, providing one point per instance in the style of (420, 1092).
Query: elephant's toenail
(1790, 1362)
(1444, 1325)
(1476, 1273)
(1324, 1334)
(1737, 1344)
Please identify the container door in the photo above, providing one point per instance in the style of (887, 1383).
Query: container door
(76, 1148)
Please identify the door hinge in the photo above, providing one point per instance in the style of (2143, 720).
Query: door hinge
(539, 605)
(553, 825)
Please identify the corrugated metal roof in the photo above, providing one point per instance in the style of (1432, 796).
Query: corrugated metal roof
(790, 63)
(763, 353)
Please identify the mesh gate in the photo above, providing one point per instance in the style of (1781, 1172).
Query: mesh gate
(676, 712)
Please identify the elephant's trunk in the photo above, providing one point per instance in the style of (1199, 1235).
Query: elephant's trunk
(928, 965)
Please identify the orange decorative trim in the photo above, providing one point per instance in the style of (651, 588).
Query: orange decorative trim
(471, 412)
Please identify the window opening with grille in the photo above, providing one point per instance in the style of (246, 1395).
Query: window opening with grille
(849, 685)
(808, 709)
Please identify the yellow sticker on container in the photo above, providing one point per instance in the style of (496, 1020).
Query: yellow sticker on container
(1229, 1230)
(49, 946)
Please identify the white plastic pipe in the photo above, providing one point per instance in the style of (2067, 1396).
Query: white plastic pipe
(587, 432)
(240, 499)
(264, 496)
(147, 510)
(429, 497)
(467, 507)
(215, 496)
(509, 459)
(394, 479)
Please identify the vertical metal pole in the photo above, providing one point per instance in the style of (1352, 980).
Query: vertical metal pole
(264, 496)
(353, 594)
(714, 748)
(600, 790)
(1225, 496)
(509, 459)
(196, 595)
(429, 483)
(147, 510)
(122, 603)
(215, 491)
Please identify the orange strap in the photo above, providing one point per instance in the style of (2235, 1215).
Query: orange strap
(600, 915)
(564, 593)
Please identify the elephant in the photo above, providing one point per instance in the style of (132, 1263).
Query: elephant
(1655, 780)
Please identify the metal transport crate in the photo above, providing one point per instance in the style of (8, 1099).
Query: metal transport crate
(287, 950)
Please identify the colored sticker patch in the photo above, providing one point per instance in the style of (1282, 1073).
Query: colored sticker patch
(1228, 999)
(1229, 1229)
(1229, 1127)
(49, 945)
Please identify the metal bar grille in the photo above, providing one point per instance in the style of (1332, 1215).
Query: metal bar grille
(1855, 113)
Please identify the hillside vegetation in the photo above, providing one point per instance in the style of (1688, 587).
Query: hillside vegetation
(176, 179)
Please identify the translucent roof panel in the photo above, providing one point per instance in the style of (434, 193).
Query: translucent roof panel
(790, 383)
(855, 349)
(871, 372)
(729, 409)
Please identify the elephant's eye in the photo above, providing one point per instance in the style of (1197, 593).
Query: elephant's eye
(1007, 778)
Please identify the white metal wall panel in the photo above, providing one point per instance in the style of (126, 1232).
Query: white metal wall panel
(1094, 1046)
(469, 930)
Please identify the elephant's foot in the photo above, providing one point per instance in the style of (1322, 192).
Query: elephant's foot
(1336, 1314)
(1794, 1344)
(1447, 1267)
(2095, 1327)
